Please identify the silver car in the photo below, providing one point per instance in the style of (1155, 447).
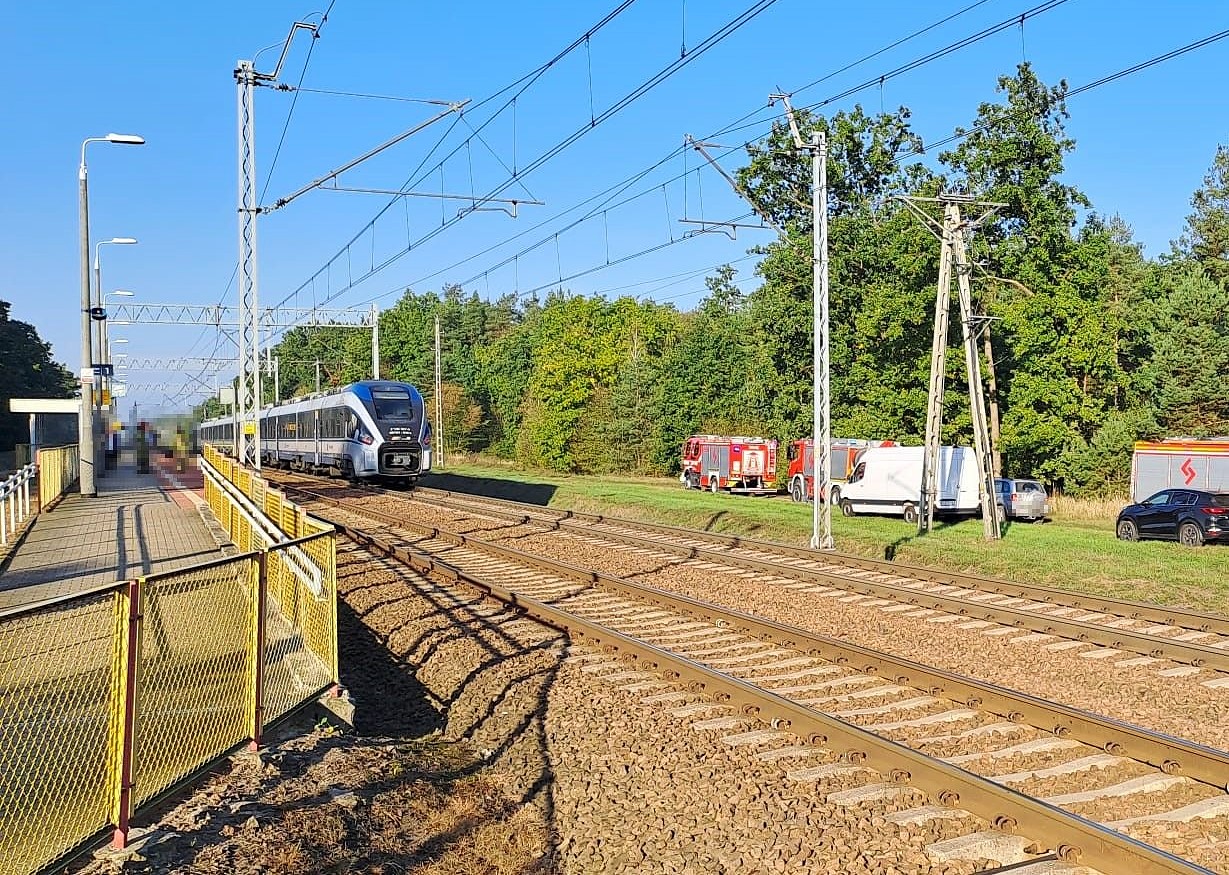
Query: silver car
(1021, 499)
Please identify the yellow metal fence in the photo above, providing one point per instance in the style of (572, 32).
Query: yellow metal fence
(110, 698)
(57, 472)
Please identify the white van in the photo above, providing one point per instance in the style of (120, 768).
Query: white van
(888, 480)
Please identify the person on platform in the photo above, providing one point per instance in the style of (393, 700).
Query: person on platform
(141, 448)
(181, 449)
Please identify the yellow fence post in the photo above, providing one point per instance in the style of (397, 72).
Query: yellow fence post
(126, 722)
(256, 705)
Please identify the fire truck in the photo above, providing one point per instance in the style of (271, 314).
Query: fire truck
(801, 455)
(743, 465)
(1179, 462)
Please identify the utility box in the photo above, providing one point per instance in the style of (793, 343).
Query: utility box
(1179, 462)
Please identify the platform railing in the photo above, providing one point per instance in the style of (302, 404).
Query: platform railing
(112, 698)
(15, 501)
(58, 470)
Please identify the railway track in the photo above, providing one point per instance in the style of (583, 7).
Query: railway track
(1144, 632)
(1047, 776)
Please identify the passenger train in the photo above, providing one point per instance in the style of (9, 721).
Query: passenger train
(373, 429)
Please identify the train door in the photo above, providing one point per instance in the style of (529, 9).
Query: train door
(316, 436)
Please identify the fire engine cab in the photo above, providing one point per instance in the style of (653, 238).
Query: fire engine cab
(801, 454)
(744, 465)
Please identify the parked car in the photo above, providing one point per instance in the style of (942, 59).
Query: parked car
(1188, 516)
(1021, 499)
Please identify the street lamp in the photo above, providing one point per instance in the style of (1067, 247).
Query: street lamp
(85, 424)
(104, 350)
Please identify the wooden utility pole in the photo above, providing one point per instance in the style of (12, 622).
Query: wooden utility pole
(954, 258)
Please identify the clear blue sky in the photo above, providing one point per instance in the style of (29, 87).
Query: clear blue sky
(163, 70)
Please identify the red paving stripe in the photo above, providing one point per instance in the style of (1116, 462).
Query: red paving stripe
(176, 483)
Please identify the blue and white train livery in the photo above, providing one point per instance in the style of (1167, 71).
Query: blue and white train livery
(374, 429)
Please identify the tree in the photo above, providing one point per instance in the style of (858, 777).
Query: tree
(28, 372)
(1054, 349)
(1206, 238)
(1189, 336)
(704, 374)
(462, 417)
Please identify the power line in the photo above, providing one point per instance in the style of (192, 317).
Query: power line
(360, 94)
(738, 125)
(294, 101)
(523, 83)
(889, 47)
(713, 39)
(1104, 80)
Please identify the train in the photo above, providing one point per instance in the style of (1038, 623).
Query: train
(370, 430)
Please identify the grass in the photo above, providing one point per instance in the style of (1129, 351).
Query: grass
(1076, 551)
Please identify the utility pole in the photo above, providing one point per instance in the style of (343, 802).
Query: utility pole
(85, 420)
(317, 375)
(246, 78)
(821, 476)
(971, 328)
(248, 401)
(954, 258)
(375, 342)
(439, 399)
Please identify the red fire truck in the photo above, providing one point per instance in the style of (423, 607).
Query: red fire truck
(801, 476)
(744, 465)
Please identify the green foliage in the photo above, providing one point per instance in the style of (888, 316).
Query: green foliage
(1091, 346)
(1190, 354)
(1206, 239)
(28, 372)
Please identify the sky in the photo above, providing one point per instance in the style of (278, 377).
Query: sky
(165, 71)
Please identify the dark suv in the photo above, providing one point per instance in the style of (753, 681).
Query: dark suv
(1188, 516)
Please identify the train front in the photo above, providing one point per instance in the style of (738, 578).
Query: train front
(404, 447)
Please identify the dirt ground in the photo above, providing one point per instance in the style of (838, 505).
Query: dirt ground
(393, 794)
(319, 800)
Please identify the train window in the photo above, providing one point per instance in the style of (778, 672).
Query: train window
(333, 423)
(392, 404)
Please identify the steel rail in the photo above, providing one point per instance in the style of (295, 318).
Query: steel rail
(1187, 619)
(1153, 646)
(1170, 754)
(1073, 839)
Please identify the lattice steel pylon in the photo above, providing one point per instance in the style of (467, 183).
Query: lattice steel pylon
(249, 304)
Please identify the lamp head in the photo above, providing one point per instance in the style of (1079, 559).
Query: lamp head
(125, 139)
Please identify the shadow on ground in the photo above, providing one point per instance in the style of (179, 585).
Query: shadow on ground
(492, 487)
(426, 667)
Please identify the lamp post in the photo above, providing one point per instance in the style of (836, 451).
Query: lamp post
(85, 423)
(101, 345)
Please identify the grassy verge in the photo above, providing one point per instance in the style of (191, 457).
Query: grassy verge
(1078, 554)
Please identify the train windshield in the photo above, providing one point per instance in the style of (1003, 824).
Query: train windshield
(392, 404)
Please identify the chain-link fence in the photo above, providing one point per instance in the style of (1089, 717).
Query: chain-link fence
(110, 698)
(59, 687)
(57, 472)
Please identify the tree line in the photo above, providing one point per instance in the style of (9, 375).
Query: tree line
(28, 372)
(1089, 346)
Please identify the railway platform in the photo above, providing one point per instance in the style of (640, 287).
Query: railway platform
(139, 524)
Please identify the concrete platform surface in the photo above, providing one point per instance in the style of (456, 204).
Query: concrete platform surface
(139, 524)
